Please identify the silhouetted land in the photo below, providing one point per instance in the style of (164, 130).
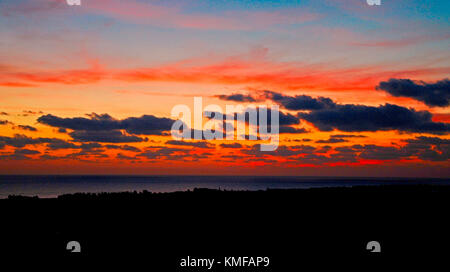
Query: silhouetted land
(290, 226)
(211, 193)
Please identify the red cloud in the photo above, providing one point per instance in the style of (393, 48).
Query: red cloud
(251, 71)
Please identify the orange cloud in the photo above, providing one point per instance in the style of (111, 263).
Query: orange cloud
(258, 73)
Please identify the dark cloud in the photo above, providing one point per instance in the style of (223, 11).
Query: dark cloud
(124, 148)
(20, 140)
(104, 136)
(428, 141)
(93, 150)
(332, 141)
(323, 149)
(192, 133)
(198, 156)
(300, 140)
(49, 157)
(237, 97)
(168, 153)
(355, 118)
(282, 150)
(292, 130)
(319, 159)
(5, 122)
(29, 112)
(83, 154)
(147, 125)
(300, 102)
(347, 136)
(105, 129)
(26, 151)
(19, 154)
(157, 152)
(25, 127)
(374, 152)
(144, 125)
(96, 122)
(339, 138)
(286, 120)
(326, 115)
(175, 153)
(432, 94)
(429, 148)
(121, 156)
(90, 147)
(62, 145)
(4, 113)
(423, 148)
(14, 157)
(231, 145)
(194, 144)
(86, 149)
(231, 158)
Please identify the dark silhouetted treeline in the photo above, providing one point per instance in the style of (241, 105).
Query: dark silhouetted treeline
(232, 194)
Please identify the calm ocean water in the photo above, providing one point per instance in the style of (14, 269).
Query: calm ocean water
(52, 186)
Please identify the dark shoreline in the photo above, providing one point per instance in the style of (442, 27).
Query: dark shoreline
(53, 186)
(145, 194)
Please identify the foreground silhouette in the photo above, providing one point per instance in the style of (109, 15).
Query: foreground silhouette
(286, 225)
(201, 192)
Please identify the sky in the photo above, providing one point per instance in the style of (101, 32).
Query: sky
(362, 90)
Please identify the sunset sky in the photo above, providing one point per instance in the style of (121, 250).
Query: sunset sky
(362, 90)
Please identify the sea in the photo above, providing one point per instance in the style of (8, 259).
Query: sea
(53, 186)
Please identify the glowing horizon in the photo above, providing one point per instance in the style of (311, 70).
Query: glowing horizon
(364, 89)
